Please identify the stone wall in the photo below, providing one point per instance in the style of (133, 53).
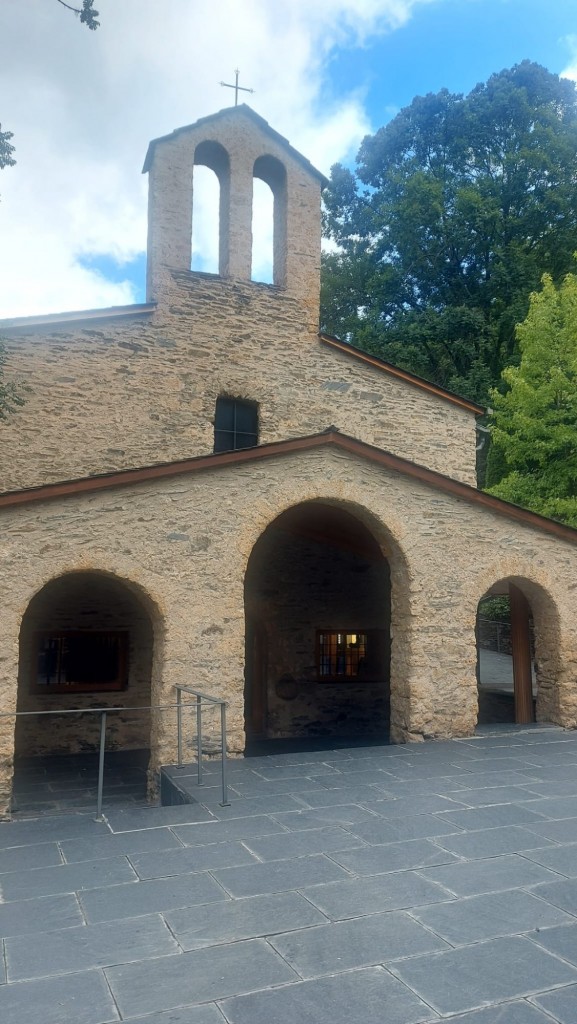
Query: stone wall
(138, 389)
(112, 396)
(183, 545)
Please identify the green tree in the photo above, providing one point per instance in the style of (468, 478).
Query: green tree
(12, 393)
(459, 205)
(6, 149)
(534, 431)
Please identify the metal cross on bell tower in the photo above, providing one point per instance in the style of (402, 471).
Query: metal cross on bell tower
(237, 88)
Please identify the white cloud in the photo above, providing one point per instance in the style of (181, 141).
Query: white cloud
(83, 105)
(571, 69)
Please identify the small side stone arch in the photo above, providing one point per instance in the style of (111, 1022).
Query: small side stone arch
(96, 604)
(534, 608)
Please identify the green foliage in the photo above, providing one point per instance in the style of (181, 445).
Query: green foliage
(6, 149)
(535, 420)
(460, 204)
(12, 393)
(498, 609)
(88, 16)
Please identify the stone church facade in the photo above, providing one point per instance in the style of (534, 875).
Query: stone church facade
(204, 490)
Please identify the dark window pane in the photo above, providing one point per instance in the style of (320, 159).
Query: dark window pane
(224, 416)
(245, 418)
(235, 425)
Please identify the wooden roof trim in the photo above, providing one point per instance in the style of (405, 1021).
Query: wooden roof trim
(330, 438)
(27, 323)
(395, 371)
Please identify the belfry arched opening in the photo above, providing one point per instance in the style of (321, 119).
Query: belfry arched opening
(318, 609)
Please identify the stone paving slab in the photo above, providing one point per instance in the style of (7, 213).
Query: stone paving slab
(491, 817)
(506, 1013)
(492, 842)
(471, 878)
(206, 1014)
(80, 949)
(33, 915)
(370, 996)
(472, 976)
(279, 875)
(153, 839)
(361, 942)
(289, 845)
(201, 976)
(498, 795)
(20, 885)
(221, 831)
(74, 999)
(558, 858)
(562, 894)
(374, 860)
(505, 913)
(374, 894)
(42, 830)
(341, 814)
(191, 858)
(248, 806)
(564, 831)
(560, 1004)
(150, 896)
(20, 858)
(561, 940)
(255, 917)
(332, 916)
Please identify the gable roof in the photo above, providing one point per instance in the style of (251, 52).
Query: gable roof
(329, 438)
(242, 110)
(25, 324)
(404, 375)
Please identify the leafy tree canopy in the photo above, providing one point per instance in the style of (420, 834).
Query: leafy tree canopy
(534, 433)
(6, 149)
(12, 393)
(458, 207)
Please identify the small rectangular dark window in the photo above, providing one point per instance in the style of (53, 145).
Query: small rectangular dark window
(81, 662)
(235, 425)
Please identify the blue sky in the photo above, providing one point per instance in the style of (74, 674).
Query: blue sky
(83, 105)
(454, 44)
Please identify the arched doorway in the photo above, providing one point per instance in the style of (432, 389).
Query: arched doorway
(317, 607)
(86, 641)
(517, 653)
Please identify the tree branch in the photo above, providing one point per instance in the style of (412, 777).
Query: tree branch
(87, 13)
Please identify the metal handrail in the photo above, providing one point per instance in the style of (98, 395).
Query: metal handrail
(202, 698)
(103, 712)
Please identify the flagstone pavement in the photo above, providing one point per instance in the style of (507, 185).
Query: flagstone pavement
(375, 885)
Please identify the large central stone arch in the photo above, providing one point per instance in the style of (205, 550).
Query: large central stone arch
(325, 565)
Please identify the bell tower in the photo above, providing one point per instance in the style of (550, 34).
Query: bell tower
(239, 146)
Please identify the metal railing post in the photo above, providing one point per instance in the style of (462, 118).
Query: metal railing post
(178, 729)
(225, 802)
(101, 765)
(199, 737)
